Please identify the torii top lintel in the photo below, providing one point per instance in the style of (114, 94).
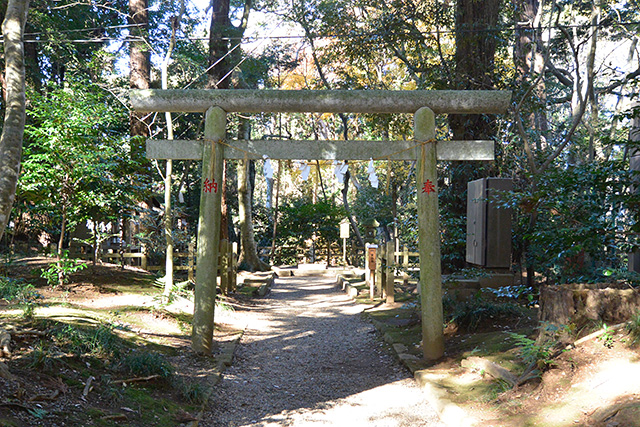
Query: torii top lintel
(321, 101)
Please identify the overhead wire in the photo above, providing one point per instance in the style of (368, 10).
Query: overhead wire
(351, 35)
(247, 56)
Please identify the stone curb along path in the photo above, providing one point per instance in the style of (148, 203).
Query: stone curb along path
(449, 413)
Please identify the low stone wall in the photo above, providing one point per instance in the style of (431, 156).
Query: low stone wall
(580, 303)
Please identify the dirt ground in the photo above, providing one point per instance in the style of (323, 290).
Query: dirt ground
(592, 384)
(47, 383)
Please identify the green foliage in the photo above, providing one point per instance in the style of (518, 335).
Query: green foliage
(302, 221)
(581, 232)
(607, 336)
(12, 289)
(59, 272)
(63, 23)
(193, 392)
(17, 290)
(41, 358)
(474, 312)
(633, 327)
(76, 161)
(96, 341)
(146, 363)
(533, 353)
(516, 293)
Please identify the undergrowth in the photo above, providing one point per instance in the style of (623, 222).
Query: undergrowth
(146, 363)
(98, 341)
(470, 314)
(18, 291)
(633, 327)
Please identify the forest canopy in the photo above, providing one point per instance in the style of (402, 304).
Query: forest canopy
(568, 142)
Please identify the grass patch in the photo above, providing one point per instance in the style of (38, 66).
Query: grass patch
(192, 392)
(156, 411)
(147, 363)
(99, 341)
(17, 291)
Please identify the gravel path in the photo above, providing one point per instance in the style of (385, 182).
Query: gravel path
(308, 358)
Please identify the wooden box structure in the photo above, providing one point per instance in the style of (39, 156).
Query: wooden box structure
(488, 226)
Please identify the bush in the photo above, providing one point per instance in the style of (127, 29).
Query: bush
(146, 364)
(18, 291)
(470, 314)
(59, 272)
(100, 341)
(633, 327)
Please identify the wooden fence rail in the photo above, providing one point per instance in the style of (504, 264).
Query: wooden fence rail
(332, 255)
(227, 270)
(391, 263)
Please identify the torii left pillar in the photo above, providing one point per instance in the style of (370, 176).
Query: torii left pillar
(209, 230)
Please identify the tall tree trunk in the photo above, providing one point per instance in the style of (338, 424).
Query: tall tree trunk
(15, 101)
(219, 74)
(219, 31)
(63, 230)
(139, 63)
(139, 78)
(476, 43)
(275, 213)
(529, 62)
(249, 252)
(347, 208)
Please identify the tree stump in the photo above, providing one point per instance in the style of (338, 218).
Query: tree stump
(579, 304)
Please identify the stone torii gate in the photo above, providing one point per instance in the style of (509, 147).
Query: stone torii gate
(215, 148)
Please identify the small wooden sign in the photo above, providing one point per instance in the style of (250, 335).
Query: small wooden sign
(344, 229)
(371, 256)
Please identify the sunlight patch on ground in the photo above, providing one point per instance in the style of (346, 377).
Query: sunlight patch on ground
(611, 379)
(393, 406)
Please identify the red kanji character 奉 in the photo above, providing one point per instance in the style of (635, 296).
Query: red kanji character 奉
(208, 186)
(428, 187)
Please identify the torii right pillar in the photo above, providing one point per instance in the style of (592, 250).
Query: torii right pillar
(429, 236)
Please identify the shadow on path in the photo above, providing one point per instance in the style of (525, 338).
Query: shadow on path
(306, 356)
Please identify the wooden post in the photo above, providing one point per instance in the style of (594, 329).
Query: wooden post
(370, 267)
(143, 259)
(380, 278)
(191, 262)
(390, 276)
(233, 271)
(208, 231)
(224, 266)
(429, 237)
(405, 257)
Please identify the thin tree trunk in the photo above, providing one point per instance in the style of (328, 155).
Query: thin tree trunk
(168, 216)
(275, 213)
(347, 208)
(15, 102)
(63, 230)
(248, 254)
(96, 242)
